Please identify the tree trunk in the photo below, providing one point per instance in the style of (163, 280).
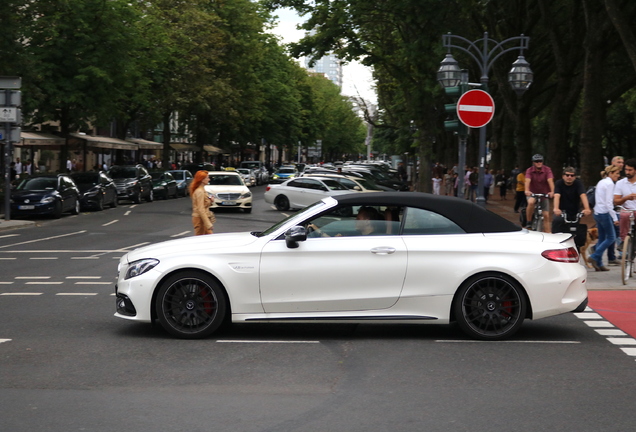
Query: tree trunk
(165, 162)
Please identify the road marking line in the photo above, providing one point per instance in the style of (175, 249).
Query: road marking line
(44, 283)
(508, 341)
(6, 283)
(32, 277)
(82, 258)
(83, 277)
(9, 235)
(5, 340)
(76, 294)
(127, 213)
(622, 341)
(126, 249)
(586, 315)
(7, 259)
(111, 222)
(43, 239)
(180, 234)
(21, 294)
(629, 351)
(611, 332)
(599, 323)
(267, 342)
(43, 258)
(94, 283)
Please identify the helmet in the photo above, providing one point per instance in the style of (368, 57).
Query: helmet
(537, 158)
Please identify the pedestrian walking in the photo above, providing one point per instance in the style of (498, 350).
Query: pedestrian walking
(202, 218)
(604, 216)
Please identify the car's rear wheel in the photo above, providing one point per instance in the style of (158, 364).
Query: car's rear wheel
(190, 305)
(490, 307)
(115, 202)
(57, 210)
(281, 203)
(626, 259)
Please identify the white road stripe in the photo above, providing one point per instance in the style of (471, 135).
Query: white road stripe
(622, 341)
(111, 222)
(587, 315)
(180, 234)
(43, 239)
(7, 259)
(267, 342)
(629, 351)
(83, 277)
(509, 341)
(5, 340)
(599, 324)
(43, 258)
(6, 283)
(87, 258)
(76, 294)
(21, 294)
(127, 213)
(32, 277)
(94, 283)
(9, 235)
(611, 332)
(44, 283)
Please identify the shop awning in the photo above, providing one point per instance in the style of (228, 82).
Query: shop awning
(145, 144)
(105, 142)
(212, 150)
(39, 139)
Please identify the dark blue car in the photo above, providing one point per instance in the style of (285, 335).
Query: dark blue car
(45, 195)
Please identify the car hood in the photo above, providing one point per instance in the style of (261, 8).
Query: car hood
(121, 181)
(223, 188)
(203, 244)
(31, 195)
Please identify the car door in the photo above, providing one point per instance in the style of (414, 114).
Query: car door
(312, 192)
(294, 192)
(333, 274)
(67, 192)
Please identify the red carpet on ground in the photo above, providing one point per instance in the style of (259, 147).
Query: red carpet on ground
(617, 307)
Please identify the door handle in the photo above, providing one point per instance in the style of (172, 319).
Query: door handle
(383, 250)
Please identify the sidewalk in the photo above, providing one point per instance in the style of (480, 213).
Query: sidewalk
(13, 224)
(610, 280)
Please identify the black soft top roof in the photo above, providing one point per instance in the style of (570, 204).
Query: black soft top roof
(469, 216)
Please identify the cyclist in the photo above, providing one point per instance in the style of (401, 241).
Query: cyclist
(625, 195)
(604, 216)
(569, 197)
(539, 180)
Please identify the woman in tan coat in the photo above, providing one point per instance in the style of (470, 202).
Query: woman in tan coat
(202, 218)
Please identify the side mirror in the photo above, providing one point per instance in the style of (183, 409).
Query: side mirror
(357, 188)
(294, 235)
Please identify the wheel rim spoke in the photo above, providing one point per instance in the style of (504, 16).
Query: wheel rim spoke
(190, 305)
(491, 306)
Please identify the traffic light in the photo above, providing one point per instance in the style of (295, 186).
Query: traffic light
(452, 124)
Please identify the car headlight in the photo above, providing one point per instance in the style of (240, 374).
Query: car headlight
(246, 195)
(47, 200)
(160, 187)
(131, 184)
(275, 176)
(92, 192)
(140, 267)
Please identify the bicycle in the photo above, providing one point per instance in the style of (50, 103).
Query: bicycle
(629, 252)
(578, 231)
(537, 216)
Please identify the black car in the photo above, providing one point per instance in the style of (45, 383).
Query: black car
(133, 183)
(45, 195)
(183, 178)
(164, 185)
(97, 190)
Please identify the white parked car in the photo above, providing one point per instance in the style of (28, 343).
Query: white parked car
(300, 192)
(354, 184)
(228, 190)
(249, 177)
(359, 258)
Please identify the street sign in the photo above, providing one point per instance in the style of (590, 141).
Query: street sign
(8, 115)
(475, 108)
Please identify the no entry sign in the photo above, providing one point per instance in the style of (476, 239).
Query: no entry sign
(475, 108)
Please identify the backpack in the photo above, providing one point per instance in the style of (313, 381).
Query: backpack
(591, 199)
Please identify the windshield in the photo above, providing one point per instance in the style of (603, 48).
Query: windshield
(178, 175)
(243, 170)
(273, 228)
(38, 184)
(286, 170)
(157, 176)
(122, 172)
(225, 180)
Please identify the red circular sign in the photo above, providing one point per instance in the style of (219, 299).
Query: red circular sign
(475, 108)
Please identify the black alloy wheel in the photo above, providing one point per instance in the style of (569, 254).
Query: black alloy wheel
(281, 203)
(151, 196)
(100, 203)
(190, 305)
(76, 207)
(490, 307)
(115, 202)
(137, 197)
(57, 210)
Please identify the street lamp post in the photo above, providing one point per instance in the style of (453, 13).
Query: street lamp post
(485, 51)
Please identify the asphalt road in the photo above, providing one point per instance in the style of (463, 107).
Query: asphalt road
(67, 364)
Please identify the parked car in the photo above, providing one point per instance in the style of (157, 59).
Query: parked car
(49, 195)
(228, 190)
(97, 190)
(133, 182)
(183, 178)
(429, 260)
(249, 177)
(301, 192)
(193, 168)
(164, 185)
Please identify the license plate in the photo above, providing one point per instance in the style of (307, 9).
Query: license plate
(228, 202)
(25, 207)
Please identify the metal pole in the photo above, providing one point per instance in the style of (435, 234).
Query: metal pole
(8, 158)
(461, 164)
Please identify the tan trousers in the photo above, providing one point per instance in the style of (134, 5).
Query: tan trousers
(199, 227)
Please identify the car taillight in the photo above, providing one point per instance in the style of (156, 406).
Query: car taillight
(267, 188)
(562, 255)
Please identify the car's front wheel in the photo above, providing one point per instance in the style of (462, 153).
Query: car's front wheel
(282, 203)
(490, 307)
(76, 208)
(151, 196)
(190, 305)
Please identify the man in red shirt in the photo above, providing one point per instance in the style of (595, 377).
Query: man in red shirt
(539, 180)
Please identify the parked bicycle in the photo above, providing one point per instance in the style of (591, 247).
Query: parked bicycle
(628, 252)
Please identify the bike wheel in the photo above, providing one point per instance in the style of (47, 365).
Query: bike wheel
(627, 260)
(540, 224)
